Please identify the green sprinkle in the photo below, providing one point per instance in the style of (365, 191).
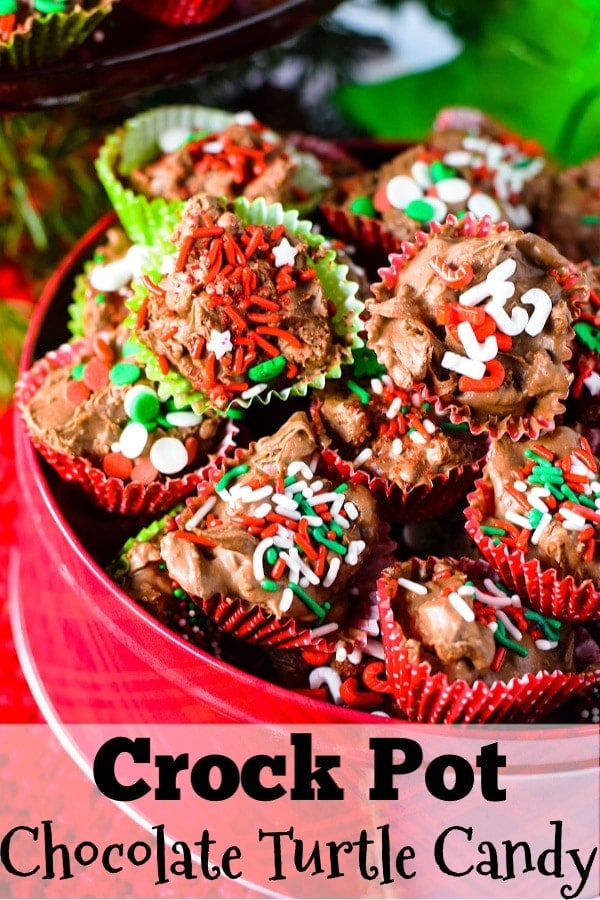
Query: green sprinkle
(337, 529)
(582, 498)
(100, 299)
(99, 257)
(439, 170)
(461, 214)
(590, 220)
(550, 627)
(316, 608)
(535, 517)
(162, 566)
(333, 545)
(531, 454)
(502, 638)
(420, 210)
(588, 334)
(496, 541)
(340, 488)
(50, 6)
(180, 593)
(556, 492)
(163, 421)
(233, 413)
(291, 479)
(362, 206)
(405, 409)
(144, 408)
(364, 363)
(426, 406)
(267, 584)
(491, 529)
(271, 555)
(231, 475)
(124, 373)
(267, 370)
(362, 395)
(77, 372)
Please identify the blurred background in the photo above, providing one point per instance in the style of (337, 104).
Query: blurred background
(375, 68)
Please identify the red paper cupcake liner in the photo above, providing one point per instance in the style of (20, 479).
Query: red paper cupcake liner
(545, 590)
(372, 240)
(110, 493)
(570, 279)
(433, 699)
(253, 624)
(417, 503)
(180, 12)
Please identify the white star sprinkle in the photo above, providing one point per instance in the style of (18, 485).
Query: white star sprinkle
(284, 253)
(219, 343)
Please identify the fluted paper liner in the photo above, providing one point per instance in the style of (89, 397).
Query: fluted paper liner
(546, 591)
(180, 12)
(110, 493)
(345, 321)
(433, 699)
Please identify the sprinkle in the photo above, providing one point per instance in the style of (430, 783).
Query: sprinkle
(200, 513)
(517, 519)
(284, 253)
(511, 629)
(233, 473)
(257, 558)
(463, 365)
(115, 465)
(197, 538)
(267, 584)
(219, 343)
(168, 455)
(267, 370)
(413, 586)
(124, 373)
(360, 392)
(491, 529)
(183, 418)
(325, 675)
(287, 598)
(461, 606)
(312, 604)
(543, 524)
(334, 567)
(133, 440)
(362, 457)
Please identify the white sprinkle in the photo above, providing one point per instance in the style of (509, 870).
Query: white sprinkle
(245, 117)
(133, 440)
(542, 307)
(322, 630)
(428, 426)
(592, 383)
(301, 487)
(510, 627)
(517, 519)
(377, 386)
(396, 447)
(341, 653)
(394, 408)
(416, 437)
(493, 588)
(362, 457)
(200, 513)
(304, 582)
(341, 521)
(351, 511)
(299, 467)
(481, 205)
(219, 343)
(287, 598)
(355, 548)
(413, 586)
(293, 560)
(595, 486)
(332, 571)
(116, 447)
(461, 606)
(183, 418)
(325, 675)
(355, 656)
(168, 455)
(316, 486)
(439, 208)
(326, 497)
(253, 495)
(537, 502)
(542, 644)
(284, 253)
(254, 391)
(543, 524)
(458, 158)
(288, 513)
(420, 173)
(314, 461)
(453, 190)
(212, 147)
(138, 257)
(257, 558)
(284, 500)
(520, 486)
(463, 365)
(402, 190)
(466, 590)
(262, 510)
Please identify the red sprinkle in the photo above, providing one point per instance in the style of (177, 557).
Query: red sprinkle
(76, 392)
(115, 465)
(95, 374)
(144, 472)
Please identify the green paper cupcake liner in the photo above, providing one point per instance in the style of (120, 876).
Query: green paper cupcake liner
(136, 143)
(345, 322)
(50, 36)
